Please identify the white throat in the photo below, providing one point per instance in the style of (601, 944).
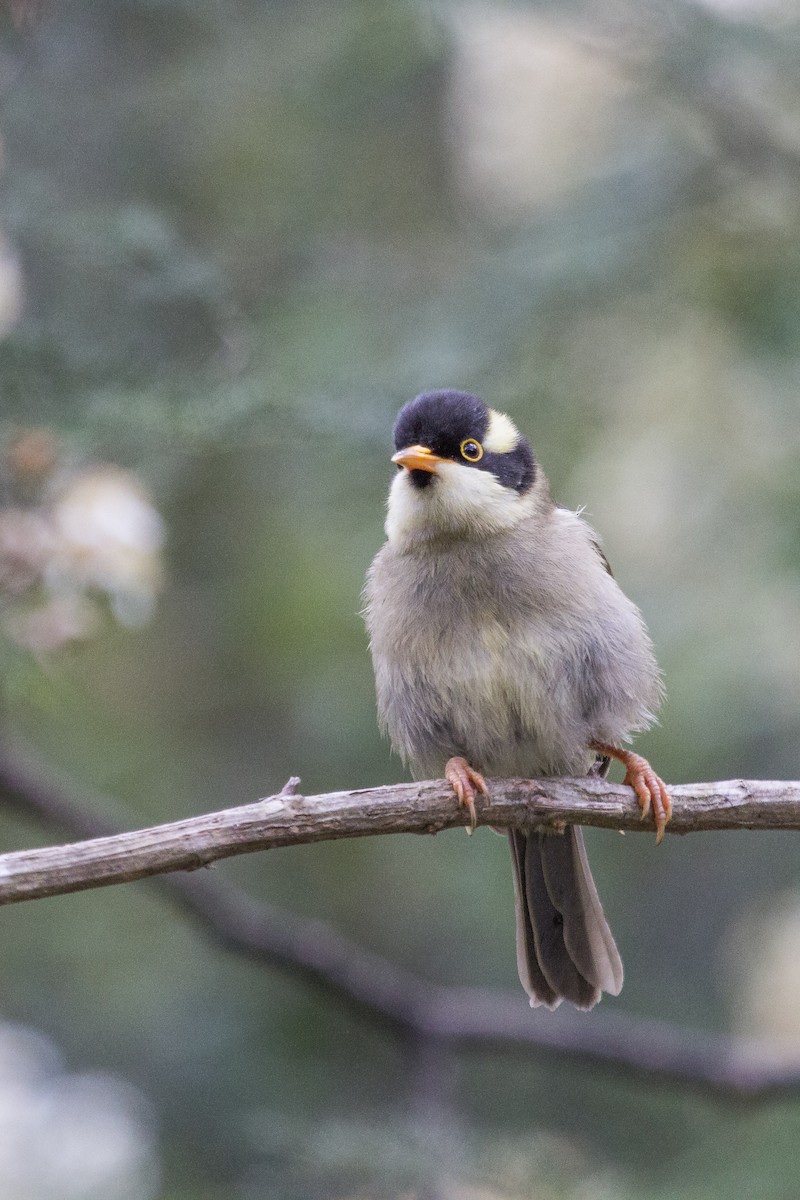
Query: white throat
(459, 501)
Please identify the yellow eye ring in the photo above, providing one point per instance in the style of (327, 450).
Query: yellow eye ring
(471, 450)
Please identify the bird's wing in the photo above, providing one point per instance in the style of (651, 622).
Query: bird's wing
(593, 536)
(602, 557)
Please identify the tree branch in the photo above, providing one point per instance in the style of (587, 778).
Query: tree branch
(288, 819)
(726, 1068)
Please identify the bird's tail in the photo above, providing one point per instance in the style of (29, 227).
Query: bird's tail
(565, 949)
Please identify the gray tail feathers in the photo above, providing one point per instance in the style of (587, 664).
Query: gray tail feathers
(565, 950)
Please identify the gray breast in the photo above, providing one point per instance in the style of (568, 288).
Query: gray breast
(474, 656)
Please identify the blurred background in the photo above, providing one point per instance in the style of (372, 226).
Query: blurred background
(234, 240)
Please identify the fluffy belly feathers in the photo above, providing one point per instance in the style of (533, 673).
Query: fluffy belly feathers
(459, 681)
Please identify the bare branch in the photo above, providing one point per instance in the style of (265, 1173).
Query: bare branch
(726, 1068)
(288, 819)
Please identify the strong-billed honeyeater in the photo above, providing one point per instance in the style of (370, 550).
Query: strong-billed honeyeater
(503, 646)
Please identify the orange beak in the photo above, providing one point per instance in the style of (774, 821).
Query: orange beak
(417, 458)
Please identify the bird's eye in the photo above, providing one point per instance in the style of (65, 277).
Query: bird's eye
(471, 450)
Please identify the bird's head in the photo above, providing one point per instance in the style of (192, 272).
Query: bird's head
(464, 470)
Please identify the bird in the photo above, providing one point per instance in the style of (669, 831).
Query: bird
(503, 647)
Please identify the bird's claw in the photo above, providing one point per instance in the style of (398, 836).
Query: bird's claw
(651, 792)
(466, 782)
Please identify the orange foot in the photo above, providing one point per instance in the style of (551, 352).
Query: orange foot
(650, 790)
(465, 782)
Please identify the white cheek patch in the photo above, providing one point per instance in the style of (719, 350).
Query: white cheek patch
(502, 434)
(470, 492)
